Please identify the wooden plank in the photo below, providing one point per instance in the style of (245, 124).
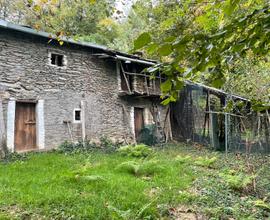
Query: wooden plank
(127, 82)
(139, 121)
(25, 127)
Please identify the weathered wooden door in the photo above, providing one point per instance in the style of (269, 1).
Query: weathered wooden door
(139, 121)
(25, 126)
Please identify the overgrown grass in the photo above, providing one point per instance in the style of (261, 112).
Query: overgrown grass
(112, 186)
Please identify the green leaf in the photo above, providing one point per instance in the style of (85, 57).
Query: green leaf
(231, 6)
(143, 40)
(179, 85)
(166, 101)
(218, 83)
(166, 86)
(165, 50)
(152, 48)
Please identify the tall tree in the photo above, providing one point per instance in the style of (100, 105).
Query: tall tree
(75, 18)
(210, 43)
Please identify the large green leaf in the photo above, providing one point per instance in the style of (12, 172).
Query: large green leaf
(165, 50)
(143, 40)
(166, 86)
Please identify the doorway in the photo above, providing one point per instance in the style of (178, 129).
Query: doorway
(139, 121)
(25, 127)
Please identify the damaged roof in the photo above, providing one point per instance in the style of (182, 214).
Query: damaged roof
(109, 52)
(106, 52)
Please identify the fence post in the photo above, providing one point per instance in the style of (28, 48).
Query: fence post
(226, 133)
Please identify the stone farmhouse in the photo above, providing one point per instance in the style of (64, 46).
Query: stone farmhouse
(50, 93)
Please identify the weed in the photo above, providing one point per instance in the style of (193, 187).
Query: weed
(131, 167)
(148, 135)
(206, 162)
(89, 179)
(12, 157)
(262, 204)
(237, 181)
(105, 145)
(91, 184)
(140, 150)
(146, 168)
(183, 159)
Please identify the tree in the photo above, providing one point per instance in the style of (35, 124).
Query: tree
(209, 53)
(79, 19)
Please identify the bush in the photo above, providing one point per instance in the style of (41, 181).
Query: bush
(183, 159)
(140, 150)
(150, 168)
(105, 144)
(206, 162)
(90, 178)
(148, 135)
(237, 181)
(147, 168)
(131, 167)
(12, 157)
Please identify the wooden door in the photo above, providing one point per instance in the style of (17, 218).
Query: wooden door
(139, 121)
(25, 127)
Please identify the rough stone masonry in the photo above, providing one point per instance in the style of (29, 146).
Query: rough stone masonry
(27, 74)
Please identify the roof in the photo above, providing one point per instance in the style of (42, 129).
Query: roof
(107, 53)
(113, 53)
(215, 90)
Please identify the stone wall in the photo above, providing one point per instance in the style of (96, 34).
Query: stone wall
(26, 74)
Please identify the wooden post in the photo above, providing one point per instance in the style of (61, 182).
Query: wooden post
(83, 121)
(226, 133)
(124, 74)
(211, 132)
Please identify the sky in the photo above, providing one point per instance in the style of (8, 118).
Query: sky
(124, 6)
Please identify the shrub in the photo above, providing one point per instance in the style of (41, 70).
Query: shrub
(147, 168)
(90, 178)
(183, 159)
(206, 162)
(131, 167)
(105, 145)
(148, 135)
(67, 147)
(150, 168)
(140, 150)
(12, 157)
(237, 181)
(262, 204)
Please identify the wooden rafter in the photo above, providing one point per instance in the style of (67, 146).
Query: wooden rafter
(124, 74)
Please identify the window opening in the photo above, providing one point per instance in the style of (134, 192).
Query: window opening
(77, 115)
(57, 59)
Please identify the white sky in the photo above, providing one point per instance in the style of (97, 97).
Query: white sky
(124, 6)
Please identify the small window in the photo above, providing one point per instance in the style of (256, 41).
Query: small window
(57, 59)
(77, 115)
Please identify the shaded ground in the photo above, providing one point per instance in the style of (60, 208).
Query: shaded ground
(175, 182)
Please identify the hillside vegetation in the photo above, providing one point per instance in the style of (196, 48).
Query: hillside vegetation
(172, 182)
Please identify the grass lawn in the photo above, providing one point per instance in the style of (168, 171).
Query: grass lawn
(173, 182)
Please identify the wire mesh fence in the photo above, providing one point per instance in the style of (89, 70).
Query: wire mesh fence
(199, 117)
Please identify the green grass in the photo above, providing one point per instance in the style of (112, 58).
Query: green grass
(96, 186)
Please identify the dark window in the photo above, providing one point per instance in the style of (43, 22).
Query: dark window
(57, 59)
(131, 82)
(148, 82)
(77, 115)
